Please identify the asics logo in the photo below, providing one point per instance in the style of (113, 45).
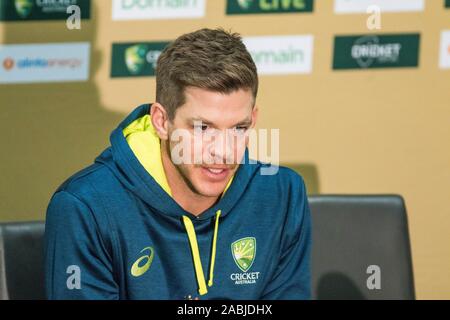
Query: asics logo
(137, 269)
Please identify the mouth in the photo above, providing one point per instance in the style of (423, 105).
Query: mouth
(215, 174)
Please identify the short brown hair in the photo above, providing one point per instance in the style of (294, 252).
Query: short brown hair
(215, 60)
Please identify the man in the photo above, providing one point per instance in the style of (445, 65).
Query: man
(174, 209)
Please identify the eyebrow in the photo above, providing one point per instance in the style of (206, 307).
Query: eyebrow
(246, 121)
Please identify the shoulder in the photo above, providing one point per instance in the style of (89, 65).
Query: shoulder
(78, 209)
(85, 196)
(279, 179)
(89, 183)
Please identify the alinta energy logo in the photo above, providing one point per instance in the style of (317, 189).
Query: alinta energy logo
(376, 51)
(8, 64)
(135, 59)
(45, 62)
(268, 6)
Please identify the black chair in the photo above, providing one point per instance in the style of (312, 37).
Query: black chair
(21, 261)
(352, 233)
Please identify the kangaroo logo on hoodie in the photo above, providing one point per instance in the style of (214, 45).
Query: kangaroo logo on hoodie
(244, 252)
(136, 269)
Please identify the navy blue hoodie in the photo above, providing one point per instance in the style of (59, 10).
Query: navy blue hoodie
(113, 231)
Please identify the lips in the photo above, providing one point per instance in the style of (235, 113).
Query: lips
(215, 170)
(215, 173)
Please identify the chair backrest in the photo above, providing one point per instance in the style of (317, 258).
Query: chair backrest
(350, 234)
(361, 248)
(22, 260)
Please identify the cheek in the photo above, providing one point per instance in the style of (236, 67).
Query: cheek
(244, 142)
(188, 171)
(182, 147)
(194, 174)
(197, 148)
(239, 147)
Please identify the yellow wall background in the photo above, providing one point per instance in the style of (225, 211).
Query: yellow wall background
(373, 131)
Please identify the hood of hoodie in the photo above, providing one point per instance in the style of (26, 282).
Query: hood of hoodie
(135, 159)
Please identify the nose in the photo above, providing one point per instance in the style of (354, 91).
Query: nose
(221, 149)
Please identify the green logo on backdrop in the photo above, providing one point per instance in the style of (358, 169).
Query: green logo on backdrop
(268, 6)
(447, 3)
(244, 4)
(135, 59)
(244, 252)
(32, 10)
(376, 51)
(23, 7)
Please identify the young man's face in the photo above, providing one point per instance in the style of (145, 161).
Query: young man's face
(214, 128)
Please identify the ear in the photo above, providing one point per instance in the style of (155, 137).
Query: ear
(254, 116)
(160, 120)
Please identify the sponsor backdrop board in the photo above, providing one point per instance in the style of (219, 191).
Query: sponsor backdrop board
(376, 51)
(33, 10)
(359, 110)
(135, 59)
(148, 10)
(262, 7)
(27, 63)
(444, 60)
(281, 54)
(361, 6)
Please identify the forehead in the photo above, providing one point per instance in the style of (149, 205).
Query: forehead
(216, 107)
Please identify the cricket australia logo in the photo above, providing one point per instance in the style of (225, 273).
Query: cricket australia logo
(24, 7)
(244, 253)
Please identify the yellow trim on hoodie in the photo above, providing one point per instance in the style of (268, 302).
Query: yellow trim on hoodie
(143, 140)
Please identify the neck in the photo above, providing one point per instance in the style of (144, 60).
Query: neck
(182, 193)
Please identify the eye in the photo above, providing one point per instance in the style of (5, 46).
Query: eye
(241, 128)
(202, 127)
